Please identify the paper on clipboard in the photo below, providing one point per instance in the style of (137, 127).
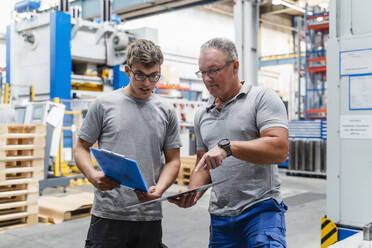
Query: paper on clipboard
(124, 170)
(204, 187)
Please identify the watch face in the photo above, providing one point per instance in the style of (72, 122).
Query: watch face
(224, 142)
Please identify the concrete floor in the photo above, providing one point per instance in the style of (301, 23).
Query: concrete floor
(186, 228)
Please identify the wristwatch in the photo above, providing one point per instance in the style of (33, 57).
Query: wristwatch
(225, 144)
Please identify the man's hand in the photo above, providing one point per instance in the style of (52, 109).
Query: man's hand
(186, 200)
(211, 159)
(101, 182)
(144, 196)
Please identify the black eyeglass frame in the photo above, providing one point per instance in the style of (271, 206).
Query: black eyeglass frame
(153, 78)
(212, 72)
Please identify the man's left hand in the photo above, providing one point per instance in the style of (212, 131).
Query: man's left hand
(152, 195)
(212, 159)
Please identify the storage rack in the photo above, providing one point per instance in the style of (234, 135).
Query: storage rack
(316, 35)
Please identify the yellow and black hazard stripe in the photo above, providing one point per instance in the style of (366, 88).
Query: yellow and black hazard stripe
(329, 233)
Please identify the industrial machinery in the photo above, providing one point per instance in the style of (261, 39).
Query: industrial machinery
(59, 55)
(349, 73)
(63, 55)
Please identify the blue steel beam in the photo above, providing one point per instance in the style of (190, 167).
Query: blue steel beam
(60, 55)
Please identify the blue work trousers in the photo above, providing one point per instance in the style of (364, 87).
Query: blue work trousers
(260, 226)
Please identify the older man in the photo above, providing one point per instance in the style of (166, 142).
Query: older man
(241, 133)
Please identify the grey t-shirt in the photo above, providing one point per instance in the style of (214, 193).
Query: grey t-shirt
(251, 111)
(140, 130)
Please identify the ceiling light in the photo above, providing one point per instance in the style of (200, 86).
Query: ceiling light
(288, 5)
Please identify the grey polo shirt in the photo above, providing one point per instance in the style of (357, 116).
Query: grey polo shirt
(140, 130)
(251, 111)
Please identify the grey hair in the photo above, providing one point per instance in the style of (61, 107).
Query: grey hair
(144, 52)
(224, 45)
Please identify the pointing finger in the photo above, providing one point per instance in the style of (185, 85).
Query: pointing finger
(200, 164)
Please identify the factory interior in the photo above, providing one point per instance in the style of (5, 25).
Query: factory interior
(60, 58)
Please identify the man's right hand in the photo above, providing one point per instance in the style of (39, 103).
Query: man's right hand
(102, 182)
(186, 200)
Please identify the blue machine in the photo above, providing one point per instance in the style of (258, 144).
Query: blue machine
(27, 5)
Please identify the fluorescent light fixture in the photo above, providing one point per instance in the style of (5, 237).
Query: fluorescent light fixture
(288, 5)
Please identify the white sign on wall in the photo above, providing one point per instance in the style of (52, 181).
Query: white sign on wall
(361, 92)
(355, 127)
(356, 62)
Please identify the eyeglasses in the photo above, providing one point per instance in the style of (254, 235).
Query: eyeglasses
(139, 76)
(212, 72)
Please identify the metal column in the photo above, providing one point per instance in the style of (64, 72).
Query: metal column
(246, 17)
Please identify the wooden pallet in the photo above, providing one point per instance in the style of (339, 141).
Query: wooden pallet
(187, 166)
(58, 209)
(17, 160)
(188, 160)
(186, 170)
(23, 167)
(21, 186)
(22, 139)
(14, 183)
(19, 190)
(18, 200)
(18, 220)
(26, 129)
(21, 173)
(21, 135)
(18, 203)
(182, 181)
(11, 153)
(35, 163)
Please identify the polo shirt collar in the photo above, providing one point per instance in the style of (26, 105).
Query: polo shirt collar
(244, 90)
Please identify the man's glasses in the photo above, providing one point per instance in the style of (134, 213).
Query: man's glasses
(212, 72)
(139, 76)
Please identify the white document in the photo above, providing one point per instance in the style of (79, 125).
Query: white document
(356, 62)
(356, 127)
(55, 116)
(361, 92)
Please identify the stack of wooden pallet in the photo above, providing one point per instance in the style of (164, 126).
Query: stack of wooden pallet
(187, 165)
(21, 167)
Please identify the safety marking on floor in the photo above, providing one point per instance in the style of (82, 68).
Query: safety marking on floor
(329, 233)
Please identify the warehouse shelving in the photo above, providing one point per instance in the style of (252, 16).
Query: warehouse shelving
(316, 34)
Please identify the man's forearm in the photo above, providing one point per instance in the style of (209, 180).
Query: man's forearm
(265, 150)
(200, 177)
(168, 175)
(83, 161)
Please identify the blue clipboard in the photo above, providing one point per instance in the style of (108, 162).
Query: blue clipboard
(124, 170)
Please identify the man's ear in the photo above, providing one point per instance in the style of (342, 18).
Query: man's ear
(127, 70)
(236, 66)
